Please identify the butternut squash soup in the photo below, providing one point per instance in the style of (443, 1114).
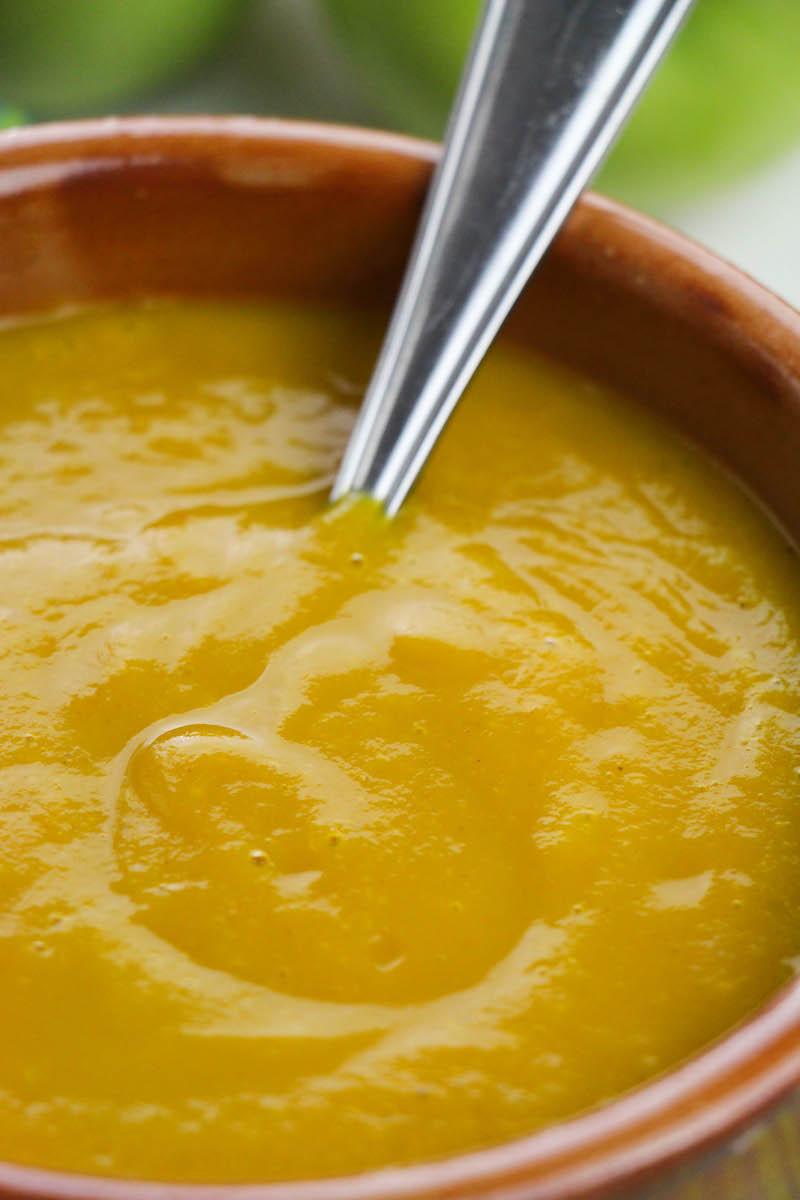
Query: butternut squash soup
(331, 842)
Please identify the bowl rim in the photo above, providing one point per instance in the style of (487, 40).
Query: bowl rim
(727, 1084)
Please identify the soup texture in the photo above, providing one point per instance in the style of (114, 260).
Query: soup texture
(331, 842)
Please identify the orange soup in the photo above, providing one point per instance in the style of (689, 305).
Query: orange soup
(332, 842)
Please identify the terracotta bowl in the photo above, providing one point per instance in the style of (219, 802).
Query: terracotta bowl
(238, 206)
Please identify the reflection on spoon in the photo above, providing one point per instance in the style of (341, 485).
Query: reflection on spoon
(546, 89)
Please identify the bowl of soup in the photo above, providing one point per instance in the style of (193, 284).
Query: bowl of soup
(448, 855)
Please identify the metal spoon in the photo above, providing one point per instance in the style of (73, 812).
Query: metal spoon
(547, 86)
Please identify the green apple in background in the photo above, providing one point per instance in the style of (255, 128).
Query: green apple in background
(727, 96)
(64, 57)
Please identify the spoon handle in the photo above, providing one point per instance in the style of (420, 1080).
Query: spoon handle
(547, 86)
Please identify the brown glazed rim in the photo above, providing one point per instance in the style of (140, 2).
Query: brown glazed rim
(727, 1085)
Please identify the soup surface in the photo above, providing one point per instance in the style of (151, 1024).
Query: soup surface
(330, 842)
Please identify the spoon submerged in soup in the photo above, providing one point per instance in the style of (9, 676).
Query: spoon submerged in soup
(546, 89)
